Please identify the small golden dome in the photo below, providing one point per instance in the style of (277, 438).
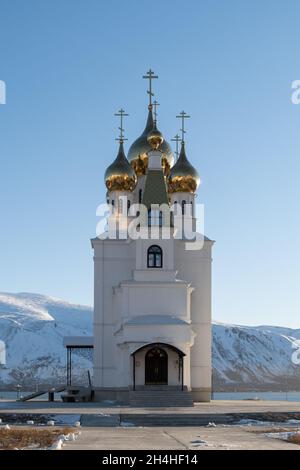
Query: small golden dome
(183, 176)
(138, 152)
(120, 176)
(155, 138)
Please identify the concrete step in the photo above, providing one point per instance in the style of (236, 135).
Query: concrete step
(160, 398)
(160, 388)
(160, 393)
(173, 419)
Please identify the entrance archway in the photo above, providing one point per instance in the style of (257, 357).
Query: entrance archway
(156, 366)
(162, 362)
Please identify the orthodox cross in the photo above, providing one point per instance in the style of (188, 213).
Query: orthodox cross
(183, 115)
(121, 113)
(155, 104)
(177, 140)
(150, 76)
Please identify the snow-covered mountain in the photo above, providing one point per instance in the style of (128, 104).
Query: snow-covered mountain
(33, 326)
(263, 357)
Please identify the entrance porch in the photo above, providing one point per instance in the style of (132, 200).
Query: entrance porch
(158, 364)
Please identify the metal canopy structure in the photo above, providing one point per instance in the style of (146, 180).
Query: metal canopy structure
(76, 343)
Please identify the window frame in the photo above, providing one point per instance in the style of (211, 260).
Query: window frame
(156, 256)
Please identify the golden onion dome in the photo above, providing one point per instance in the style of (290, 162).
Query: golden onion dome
(138, 152)
(183, 176)
(120, 176)
(155, 138)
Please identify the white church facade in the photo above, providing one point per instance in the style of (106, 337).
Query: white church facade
(152, 295)
(152, 279)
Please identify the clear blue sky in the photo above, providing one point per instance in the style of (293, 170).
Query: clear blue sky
(69, 65)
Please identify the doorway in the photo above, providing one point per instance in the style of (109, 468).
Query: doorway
(156, 367)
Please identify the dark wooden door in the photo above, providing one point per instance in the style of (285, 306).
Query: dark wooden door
(156, 366)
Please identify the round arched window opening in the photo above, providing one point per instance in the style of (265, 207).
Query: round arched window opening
(154, 257)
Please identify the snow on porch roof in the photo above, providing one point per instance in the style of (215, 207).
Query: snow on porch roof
(78, 341)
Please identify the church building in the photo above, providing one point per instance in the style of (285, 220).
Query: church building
(152, 294)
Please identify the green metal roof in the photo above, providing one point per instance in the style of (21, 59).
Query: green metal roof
(155, 189)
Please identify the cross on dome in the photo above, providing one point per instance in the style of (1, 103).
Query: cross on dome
(150, 76)
(183, 115)
(121, 113)
(176, 139)
(155, 104)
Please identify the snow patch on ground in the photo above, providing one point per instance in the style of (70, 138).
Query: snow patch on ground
(284, 436)
(60, 441)
(66, 419)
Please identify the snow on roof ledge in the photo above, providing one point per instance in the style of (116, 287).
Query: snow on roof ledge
(83, 341)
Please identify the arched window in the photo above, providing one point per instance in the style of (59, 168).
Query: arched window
(175, 208)
(183, 207)
(154, 257)
(154, 218)
(140, 196)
